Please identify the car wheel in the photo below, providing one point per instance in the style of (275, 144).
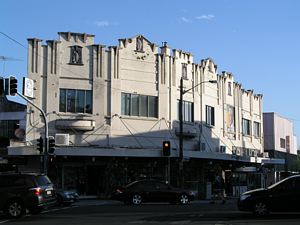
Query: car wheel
(260, 209)
(183, 199)
(136, 199)
(15, 209)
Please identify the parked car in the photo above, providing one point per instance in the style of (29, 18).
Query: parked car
(21, 191)
(152, 191)
(66, 198)
(282, 196)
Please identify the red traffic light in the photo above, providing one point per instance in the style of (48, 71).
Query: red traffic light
(166, 148)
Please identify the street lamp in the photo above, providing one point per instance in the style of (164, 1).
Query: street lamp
(182, 92)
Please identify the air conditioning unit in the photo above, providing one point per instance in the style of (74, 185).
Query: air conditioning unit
(62, 139)
(222, 149)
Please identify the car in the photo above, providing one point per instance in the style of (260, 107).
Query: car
(150, 190)
(21, 191)
(282, 196)
(66, 198)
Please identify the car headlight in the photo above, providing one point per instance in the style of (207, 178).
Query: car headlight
(243, 197)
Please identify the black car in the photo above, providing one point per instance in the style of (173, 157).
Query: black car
(66, 198)
(280, 197)
(21, 191)
(152, 191)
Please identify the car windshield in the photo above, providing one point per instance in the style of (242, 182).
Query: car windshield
(43, 180)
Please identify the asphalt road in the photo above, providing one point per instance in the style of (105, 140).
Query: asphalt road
(113, 213)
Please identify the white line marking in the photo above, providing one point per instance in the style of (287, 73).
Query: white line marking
(4, 221)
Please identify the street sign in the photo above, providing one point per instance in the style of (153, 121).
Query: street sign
(28, 85)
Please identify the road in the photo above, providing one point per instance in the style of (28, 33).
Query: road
(92, 212)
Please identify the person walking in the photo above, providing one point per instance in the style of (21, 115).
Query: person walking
(218, 189)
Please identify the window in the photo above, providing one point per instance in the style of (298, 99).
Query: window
(282, 143)
(246, 127)
(7, 128)
(184, 71)
(229, 88)
(75, 101)
(210, 115)
(139, 105)
(187, 111)
(139, 44)
(256, 129)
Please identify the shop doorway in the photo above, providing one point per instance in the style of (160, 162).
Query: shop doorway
(95, 178)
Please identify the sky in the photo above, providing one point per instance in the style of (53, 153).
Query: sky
(256, 40)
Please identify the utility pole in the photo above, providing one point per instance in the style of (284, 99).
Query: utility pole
(180, 162)
(45, 154)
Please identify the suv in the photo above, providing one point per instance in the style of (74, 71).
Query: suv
(21, 191)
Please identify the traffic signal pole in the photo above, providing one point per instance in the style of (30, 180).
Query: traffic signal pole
(45, 155)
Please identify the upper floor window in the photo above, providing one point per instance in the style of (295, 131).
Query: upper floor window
(184, 71)
(139, 105)
(139, 44)
(246, 127)
(282, 143)
(76, 55)
(7, 128)
(75, 101)
(229, 88)
(210, 115)
(187, 111)
(256, 129)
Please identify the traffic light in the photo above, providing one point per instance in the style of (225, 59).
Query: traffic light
(40, 145)
(166, 148)
(1, 86)
(51, 145)
(13, 85)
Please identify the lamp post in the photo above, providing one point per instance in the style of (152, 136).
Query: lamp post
(182, 92)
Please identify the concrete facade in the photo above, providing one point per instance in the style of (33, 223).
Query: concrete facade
(279, 134)
(150, 71)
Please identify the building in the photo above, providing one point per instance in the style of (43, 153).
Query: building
(110, 109)
(280, 143)
(12, 131)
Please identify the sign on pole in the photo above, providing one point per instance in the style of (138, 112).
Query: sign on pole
(28, 85)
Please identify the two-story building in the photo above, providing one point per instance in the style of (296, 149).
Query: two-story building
(110, 108)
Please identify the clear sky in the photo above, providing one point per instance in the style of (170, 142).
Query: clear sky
(257, 40)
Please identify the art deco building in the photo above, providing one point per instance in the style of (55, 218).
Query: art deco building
(110, 108)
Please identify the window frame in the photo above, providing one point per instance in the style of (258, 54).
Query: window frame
(256, 129)
(210, 115)
(187, 111)
(246, 127)
(69, 104)
(127, 105)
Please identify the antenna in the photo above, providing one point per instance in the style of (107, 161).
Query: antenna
(4, 59)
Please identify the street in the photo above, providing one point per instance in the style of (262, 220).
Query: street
(101, 212)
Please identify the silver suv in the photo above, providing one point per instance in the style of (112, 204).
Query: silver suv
(21, 191)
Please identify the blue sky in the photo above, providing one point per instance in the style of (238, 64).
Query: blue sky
(257, 40)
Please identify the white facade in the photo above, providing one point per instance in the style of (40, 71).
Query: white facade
(279, 134)
(135, 92)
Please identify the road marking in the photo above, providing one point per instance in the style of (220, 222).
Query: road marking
(4, 221)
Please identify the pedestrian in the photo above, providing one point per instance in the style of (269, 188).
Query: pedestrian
(218, 189)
